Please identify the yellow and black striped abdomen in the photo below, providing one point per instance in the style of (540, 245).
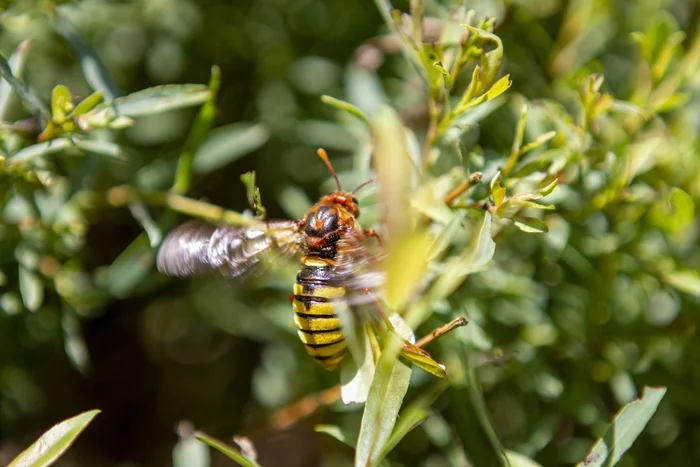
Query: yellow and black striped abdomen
(318, 325)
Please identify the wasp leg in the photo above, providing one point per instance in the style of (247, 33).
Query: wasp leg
(373, 233)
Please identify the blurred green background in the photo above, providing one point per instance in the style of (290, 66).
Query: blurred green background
(606, 302)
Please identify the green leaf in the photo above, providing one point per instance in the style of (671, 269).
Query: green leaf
(199, 132)
(543, 138)
(499, 87)
(141, 214)
(95, 71)
(101, 148)
(624, 429)
(22, 91)
(16, 64)
(549, 188)
(73, 342)
(150, 101)
(52, 444)
(347, 437)
(384, 401)
(515, 459)
(87, 104)
(414, 415)
(130, 269)
(253, 193)
(675, 214)
(405, 267)
(530, 224)
(227, 144)
(474, 258)
(232, 453)
(446, 78)
(31, 288)
(685, 280)
(490, 62)
(346, 107)
(60, 103)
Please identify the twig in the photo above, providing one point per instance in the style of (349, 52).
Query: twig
(473, 179)
(124, 195)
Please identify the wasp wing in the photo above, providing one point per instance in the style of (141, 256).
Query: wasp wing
(357, 268)
(196, 247)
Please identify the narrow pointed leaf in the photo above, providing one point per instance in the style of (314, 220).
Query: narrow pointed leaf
(383, 403)
(95, 71)
(15, 64)
(52, 444)
(231, 452)
(347, 107)
(624, 429)
(22, 91)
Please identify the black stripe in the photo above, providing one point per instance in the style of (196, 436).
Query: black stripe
(314, 273)
(317, 331)
(335, 355)
(310, 299)
(319, 346)
(312, 317)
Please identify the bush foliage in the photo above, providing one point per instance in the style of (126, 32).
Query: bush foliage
(537, 172)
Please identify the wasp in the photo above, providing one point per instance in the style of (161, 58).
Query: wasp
(336, 266)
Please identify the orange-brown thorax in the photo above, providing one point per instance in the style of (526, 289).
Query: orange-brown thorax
(334, 214)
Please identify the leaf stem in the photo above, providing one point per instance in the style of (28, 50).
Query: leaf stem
(123, 195)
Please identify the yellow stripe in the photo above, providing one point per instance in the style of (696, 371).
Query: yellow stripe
(326, 351)
(314, 308)
(317, 324)
(322, 291)
(332, 363)
(321, 338)
(315, 262)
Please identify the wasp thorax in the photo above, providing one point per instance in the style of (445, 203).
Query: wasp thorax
(322, 222)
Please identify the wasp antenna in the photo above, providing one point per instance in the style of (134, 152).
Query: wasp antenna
(324, 157)
(363, 185)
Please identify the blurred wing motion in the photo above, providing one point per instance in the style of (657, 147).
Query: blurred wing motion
(196, 247)
(358, 269)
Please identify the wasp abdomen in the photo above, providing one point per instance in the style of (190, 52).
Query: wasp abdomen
(317, 323)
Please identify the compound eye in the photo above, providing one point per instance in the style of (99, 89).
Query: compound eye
(354, 200)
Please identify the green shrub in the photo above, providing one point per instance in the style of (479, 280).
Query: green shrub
(537, 172)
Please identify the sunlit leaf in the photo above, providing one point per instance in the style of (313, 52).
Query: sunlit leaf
(675, 214)
(624, 429)
(253, 193)
(22, 91)
(87, 104)
(347, 437)
(16, 65)
(490, 62)
(52, 444)
(31, 288)
(347, 107)
(232, 453)
(404, 268)
(382, 408)
(530, 224)
(60, 102)
(150, 101)
(685, 280)
(198, 134)
(515, 459)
